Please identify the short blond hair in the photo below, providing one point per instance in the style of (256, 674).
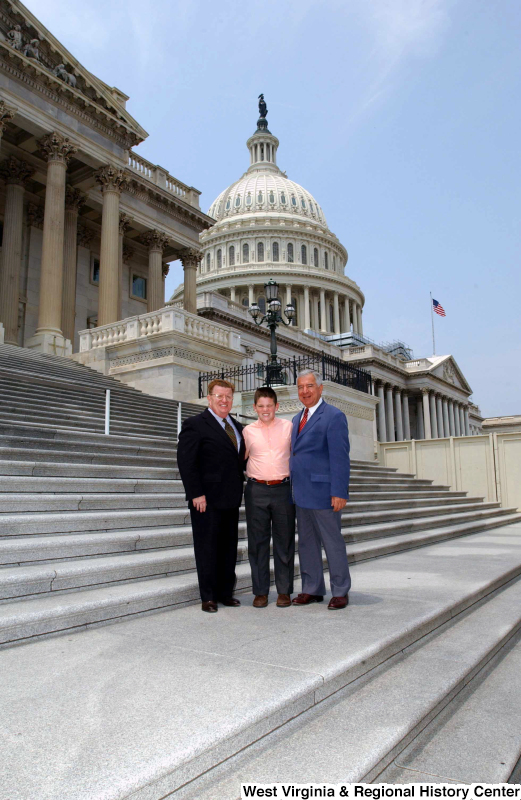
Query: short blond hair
(220, 382)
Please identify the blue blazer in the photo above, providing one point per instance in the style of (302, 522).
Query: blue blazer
(319, 461)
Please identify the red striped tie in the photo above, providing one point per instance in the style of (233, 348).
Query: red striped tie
(303, 420)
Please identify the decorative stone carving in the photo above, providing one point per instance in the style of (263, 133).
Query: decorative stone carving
(250, 351)
(191, 258)
(165, 269)
(111, 178)
(6, 113)
(74, 199)
(14, 37)
(68, 77)
(55, 147)
(16, 172)
(449, 373)
(32, 49)
(154, 240)
(85, 236)
(128, 252)
(35, 215)
(125, 223)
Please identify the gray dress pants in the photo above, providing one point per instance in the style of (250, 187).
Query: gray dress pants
(270, 510)
(317, 527)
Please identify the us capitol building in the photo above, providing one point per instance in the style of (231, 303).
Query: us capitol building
(89, 229)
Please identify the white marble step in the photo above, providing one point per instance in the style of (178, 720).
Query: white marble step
(67, 469)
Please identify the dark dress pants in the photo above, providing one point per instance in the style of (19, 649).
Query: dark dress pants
(270, 510)
(215, 544)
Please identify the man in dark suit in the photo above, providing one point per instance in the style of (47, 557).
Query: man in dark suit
(319, 467)
(210, 457)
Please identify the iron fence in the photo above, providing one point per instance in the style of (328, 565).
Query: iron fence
(284, 373)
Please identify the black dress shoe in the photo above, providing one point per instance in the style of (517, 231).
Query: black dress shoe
(209, 606)
(230, 601)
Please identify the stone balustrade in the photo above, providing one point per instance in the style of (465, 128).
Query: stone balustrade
(160, 177)
(165, 320)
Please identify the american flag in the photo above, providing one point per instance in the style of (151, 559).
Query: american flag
(438, 308)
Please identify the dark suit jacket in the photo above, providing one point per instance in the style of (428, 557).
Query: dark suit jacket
(209, 463)
(319, 461)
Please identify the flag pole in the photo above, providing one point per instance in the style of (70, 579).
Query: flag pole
(432, 322)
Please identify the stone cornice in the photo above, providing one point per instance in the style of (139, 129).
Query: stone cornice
(439, 386)
(155, 196)
(217, 236)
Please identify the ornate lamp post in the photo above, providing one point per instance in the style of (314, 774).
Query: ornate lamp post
(272, 317)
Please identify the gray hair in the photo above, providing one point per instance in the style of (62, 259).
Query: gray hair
(317, 376)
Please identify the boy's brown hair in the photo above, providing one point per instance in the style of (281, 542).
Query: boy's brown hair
(265, 391)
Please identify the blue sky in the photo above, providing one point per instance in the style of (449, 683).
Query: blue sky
(400, 116)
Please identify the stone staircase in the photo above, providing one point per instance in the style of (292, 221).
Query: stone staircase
(94, 529)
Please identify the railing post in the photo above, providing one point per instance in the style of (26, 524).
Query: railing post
(107, 412)
(323, 367)
(178, 419)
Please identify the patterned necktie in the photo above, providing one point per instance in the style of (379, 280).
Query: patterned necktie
(231, 433)
(303, 420)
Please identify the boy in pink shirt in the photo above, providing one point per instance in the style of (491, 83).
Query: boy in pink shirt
(269, 505)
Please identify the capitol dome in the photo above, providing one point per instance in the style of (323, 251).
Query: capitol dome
(268, 226)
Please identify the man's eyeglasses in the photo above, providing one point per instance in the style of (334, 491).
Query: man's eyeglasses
(222, 397)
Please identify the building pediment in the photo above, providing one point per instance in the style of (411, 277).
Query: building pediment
(29, 51)
(448, 370)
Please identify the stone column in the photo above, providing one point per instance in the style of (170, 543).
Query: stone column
(251, 295)
(462, 420)
(347, 316)
(288, 294)
(232, 294)
(355, 318)
(112, 180)
(155, 241)
(456, 419)
(439, 415)
(382, 433)
(6, 113)
(125, 223)
(398, 412)
(420, 430)
(307, 320)
(452, 428)
(426, 414)
(445, 405)
(190, 260)
(467, 423)
(74, 200)
(316, 321)
(57, 149)
(336, 312)
(323, 314)
(406, 418)
(360, 325)
(390, 415)
(15, 173)
(434, 416)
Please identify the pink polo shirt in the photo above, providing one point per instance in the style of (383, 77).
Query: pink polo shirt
(267, 449)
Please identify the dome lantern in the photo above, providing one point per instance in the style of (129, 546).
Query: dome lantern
(262, 145)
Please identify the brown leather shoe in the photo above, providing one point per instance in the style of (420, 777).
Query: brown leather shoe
(338, 602)
(230, 601)
(283, 600)
(304, 599)
(260, 601)
(209, 606)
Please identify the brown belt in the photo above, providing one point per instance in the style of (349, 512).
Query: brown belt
(269, 483)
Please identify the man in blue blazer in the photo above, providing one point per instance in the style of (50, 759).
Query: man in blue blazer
(319, 466)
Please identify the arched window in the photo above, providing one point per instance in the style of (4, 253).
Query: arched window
(283, 199)
(260, 198)
(271, 197)
(248, 199)
(231, 256)
(260, 251)
(219, 258)
(275, 251)
(245, 253)
(208, 259)
(303, 203)
(245, 302)
(261, 302)
(262, 152)
(294, 321)
(326, 261)
(228, 204)
(291, 257)
(237, 201)
(311, 208)
(293, 200)
(304, 254)
(334, 263)
(315, 256)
